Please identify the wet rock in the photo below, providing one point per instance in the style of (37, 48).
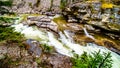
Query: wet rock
(106, 26)
(74, 27)
(86, 17)
(33, 47)
(82, 39)
(49, 13)
(30, 22)
(105, 17)
(89, 27)
(43, 22)
(84, 11)
(112, 46)
(97, 16)
(90, 11)
(115, 50)
(56, 61)
(40, 19)
(48, 26)
(72, 20)
(32, 18)
(96, 5)
(14, 56)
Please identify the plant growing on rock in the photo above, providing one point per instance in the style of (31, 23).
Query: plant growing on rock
(7, 20)
(95, 60)
(63, 4)
(47, 49)
(8, 34)
(4, 5)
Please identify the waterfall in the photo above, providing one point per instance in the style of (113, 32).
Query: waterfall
(64, 44)
(58, 45)
(31, 32)
(89, 48)
(69, 35)
(87, 34)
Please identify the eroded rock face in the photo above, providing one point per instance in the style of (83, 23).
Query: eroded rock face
(35, 6)
(38, 6)
(13, 56)
(43, 22)
(91, 11)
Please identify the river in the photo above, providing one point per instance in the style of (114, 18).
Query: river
(64, 44)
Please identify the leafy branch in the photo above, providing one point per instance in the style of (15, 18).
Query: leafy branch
(95, 60)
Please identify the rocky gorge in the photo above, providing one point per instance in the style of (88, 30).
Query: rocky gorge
(54, 32)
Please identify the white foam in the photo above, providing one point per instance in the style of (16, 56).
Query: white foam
(87, 34)
(64, 40)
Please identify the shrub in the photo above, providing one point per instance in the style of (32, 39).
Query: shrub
(8, 34)
(6, 3)
(95, 60)
(7, 20)
(3, 5)
(47, 49)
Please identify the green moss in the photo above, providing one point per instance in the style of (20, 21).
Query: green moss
(61, 22)
(38, 60)
(114, 25)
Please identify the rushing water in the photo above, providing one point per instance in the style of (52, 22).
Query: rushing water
(87, 34)
(64, 44)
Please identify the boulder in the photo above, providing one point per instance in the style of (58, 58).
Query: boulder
(56, 61)
(33, 47)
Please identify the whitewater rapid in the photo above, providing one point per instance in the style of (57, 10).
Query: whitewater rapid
(64, 44)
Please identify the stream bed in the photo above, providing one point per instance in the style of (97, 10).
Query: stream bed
(64, 43)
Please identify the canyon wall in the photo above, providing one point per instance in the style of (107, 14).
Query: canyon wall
(38, 6)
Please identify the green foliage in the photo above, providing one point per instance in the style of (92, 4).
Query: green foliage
(96, 60)
(38, 60)
(8, 34)
(60, 21)
(47, 49)
(63, 4)
(6, 3)
(3, 9)
(7, 20)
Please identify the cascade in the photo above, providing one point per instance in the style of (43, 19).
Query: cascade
(87, 34)
(64, 44)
